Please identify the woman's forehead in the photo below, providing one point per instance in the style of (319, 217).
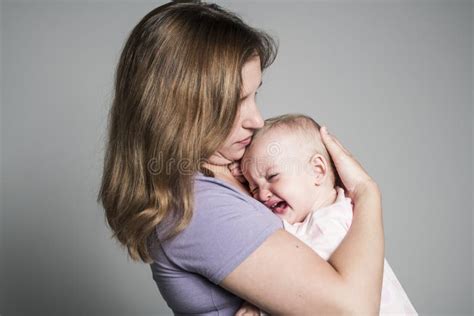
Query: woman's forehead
(251, 75)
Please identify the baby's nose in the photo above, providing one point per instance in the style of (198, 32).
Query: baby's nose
(264, 195)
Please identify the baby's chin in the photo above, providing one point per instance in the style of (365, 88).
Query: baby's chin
(289, 221)
(287, 218)
(291, 216)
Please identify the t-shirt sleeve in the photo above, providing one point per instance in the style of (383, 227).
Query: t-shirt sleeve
(224, 230)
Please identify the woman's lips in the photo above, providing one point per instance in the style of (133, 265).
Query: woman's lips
(246, 141)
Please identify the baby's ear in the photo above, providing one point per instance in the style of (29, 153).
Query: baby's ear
(319, 166)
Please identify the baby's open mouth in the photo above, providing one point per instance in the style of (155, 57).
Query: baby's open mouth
(279, 207)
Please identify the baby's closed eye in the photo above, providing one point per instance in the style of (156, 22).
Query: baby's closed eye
(272, 177)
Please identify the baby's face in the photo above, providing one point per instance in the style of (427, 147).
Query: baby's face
(279, 174)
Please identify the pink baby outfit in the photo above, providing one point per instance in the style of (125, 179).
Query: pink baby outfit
(323, 230)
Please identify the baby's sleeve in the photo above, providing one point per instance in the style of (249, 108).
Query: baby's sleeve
(224, 230)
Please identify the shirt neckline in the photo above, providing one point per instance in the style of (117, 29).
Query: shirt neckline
(201, 176)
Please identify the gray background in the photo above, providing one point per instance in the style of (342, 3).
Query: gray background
(392, 79)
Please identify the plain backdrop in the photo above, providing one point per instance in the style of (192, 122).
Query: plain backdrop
(392, 79)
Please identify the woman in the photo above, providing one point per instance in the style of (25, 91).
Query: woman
(184, 110)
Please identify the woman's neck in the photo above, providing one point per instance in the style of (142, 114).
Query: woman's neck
(223, 173)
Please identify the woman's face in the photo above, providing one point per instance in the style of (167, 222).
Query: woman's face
(248, 117)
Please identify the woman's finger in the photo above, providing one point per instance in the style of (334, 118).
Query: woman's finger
(341, 145)
(334, 138)
(335, 148)
(350, 171)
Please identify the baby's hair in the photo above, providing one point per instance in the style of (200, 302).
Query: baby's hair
(307, 128)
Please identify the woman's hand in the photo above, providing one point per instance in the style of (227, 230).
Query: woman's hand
(354, 178)
(248, 309)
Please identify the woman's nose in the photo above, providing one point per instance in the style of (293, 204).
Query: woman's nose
(253, 119)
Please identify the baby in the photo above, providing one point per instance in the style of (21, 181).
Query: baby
(289, 170)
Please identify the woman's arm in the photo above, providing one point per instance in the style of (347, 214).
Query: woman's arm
(284, 276)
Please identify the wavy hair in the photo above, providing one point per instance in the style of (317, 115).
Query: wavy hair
(176, 95)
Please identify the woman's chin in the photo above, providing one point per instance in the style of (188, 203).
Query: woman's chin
(237, 154)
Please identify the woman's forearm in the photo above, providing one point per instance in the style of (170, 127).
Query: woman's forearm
(359, 258)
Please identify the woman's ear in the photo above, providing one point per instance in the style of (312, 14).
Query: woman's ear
(319, 166)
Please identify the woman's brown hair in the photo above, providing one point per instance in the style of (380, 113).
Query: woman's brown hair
(177, 90)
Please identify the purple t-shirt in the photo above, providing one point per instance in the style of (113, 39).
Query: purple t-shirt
(226, 227)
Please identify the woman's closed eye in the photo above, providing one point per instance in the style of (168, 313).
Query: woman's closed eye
(243, 98)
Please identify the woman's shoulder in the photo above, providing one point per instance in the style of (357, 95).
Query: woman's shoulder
(208, 245)
(217, 205)
(212, 190)
(215, 201)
